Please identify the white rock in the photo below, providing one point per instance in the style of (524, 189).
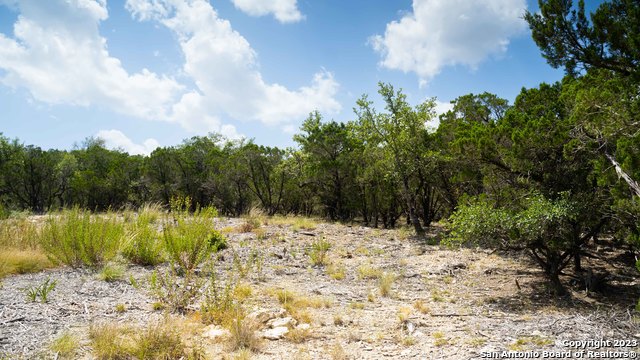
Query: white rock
(280, 322)
(303, 327)
(276, 333)
(214, 332)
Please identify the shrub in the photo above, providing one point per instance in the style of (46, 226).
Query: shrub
(385, 282)
(192, 239)
(76, 238)
(318, 252)
(144, 245)
(542, 226)
(177, 293)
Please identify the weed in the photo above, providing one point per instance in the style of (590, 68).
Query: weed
(41, 291)
(385, 282)
(193, 239)
(303, 224)
(299, 334)
(157, 306)
(408, 340)
(16, 261)
(448, 279)
(357, 305)
(318, 252)
(241, 269)
(242, 334)
(337, 352)
(439, 338)
(65, 346)
(176, 293)
(121, 308)
(134, 282)
(421, 307)
(258, 261)
(157, 341)
(437, 295)
(111, 273)
(371, 297)
(144, 245)
(366, 271)
(261, 234)
(404, 312)
(338, 320)
(477, 342)
(336, 271)
(220, 305)
(75, 238)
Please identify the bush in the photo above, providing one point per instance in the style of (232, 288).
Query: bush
(192, 239)
(540, 225)
(76, 238)
(144, 245)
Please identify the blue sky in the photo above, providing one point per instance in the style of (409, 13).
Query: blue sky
(147, 73)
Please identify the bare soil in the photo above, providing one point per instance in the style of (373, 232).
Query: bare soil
(473, 301)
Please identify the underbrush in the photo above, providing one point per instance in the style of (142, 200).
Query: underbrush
(156, 341)
(76, 238)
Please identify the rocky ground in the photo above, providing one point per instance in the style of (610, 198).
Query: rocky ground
(442, 304)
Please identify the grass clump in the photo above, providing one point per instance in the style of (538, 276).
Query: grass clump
(41, 291)
(157, 341)
(318, 252)
(298, 335)
(111, 273)
(366, 271)
(192, 239)
(144, 245)
(300, 223)
(421, 307)
(19, 233)
(16, 261)
(297, 305)
(121, 308)
(76, 238)
(385, 282)
(336, 271)
(65, 346)
(242, 334)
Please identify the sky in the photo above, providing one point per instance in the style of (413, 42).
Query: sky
(147, 73)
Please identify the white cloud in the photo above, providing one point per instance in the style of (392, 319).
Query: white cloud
(59, 55)
(439, 109)
(441, 33)
(285, 11)
(224, 68)
(115, 139)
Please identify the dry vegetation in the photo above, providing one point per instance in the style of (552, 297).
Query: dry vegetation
(283, 287)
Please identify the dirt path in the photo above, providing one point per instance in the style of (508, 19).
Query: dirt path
(443, 304)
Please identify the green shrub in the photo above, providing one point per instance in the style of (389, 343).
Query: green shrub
(192, 239)
(76, 238)
(318, 251)
(144, 245)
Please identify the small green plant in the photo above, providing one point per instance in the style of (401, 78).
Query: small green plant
(65, 346)
(366, 271)
(336, 271)
(192, 239)
(41, 291)
(121, 308)
(175, 292)
(318, 252)
(76, 238)
(144, 245)
(385, 282)
(111, 273)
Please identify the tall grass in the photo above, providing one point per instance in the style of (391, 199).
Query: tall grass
(20, 252)
(144, 244)
(192, 239)
(76, 238)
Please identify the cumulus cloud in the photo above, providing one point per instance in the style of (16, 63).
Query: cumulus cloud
(439, 33)
(285, 11)
(224, 67)
(60, 57)
(115, 139)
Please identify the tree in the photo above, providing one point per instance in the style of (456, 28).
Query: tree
(403, 134)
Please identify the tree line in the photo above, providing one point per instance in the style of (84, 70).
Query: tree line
(549, 173)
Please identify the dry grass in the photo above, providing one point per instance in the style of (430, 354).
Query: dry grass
(366, 271)
(421, 307)
(17, 261)
(65, 346)
(385, 282)
(242, 334)
(157, 341)
(297, 305)
(299, 335)
(20, 233)
(336, 271)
